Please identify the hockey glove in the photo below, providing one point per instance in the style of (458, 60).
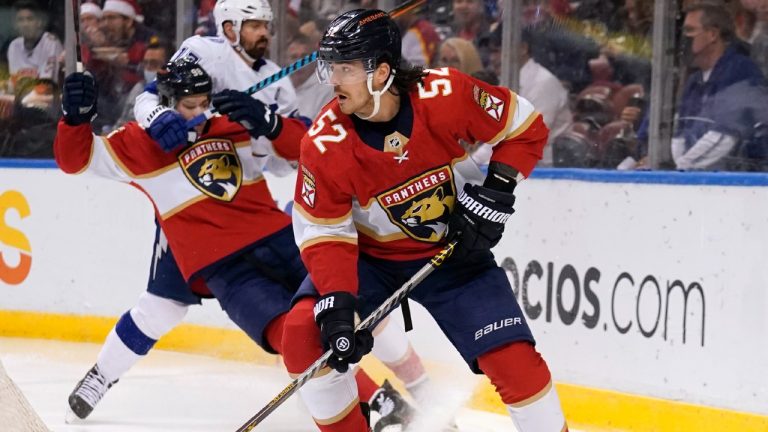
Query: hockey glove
(479, 217)
(79, 98)
(168, 129)
(252, 114)
(335, 314)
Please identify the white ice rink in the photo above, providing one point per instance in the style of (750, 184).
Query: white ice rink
(170, 391)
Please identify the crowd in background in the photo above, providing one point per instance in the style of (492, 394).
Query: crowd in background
(586, 66)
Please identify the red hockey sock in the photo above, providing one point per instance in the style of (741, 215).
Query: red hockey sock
(517, 371)
(366, 387)
(354, 421)
(274, 333)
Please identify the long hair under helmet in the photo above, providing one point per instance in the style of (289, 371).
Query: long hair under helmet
(369, 35)
(237, 12)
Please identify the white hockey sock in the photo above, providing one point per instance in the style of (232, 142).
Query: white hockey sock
(539, 413)
(330, 396)
(394, 349)
(136, 333)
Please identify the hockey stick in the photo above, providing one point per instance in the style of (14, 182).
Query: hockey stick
(74, 62)
(298, 64)
(377, 315)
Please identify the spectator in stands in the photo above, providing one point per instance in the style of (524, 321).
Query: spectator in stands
(35, 52)
(469, 20)
(30, 130)
(759, 37)
(155, 57)
(117, 65)
(420, 39)
(459, 54)
(722, 99)
(540, 87)
(90, 25)
(310, 94)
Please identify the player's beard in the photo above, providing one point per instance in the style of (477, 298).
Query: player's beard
(258, 50)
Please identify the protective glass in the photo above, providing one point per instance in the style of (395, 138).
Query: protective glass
(341, 73)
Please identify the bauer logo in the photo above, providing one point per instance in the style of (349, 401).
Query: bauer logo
(213, 167)
(498, 325)
(15, 250)
(421, 206)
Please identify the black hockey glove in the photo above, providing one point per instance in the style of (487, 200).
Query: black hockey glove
(478, 219)
(79, 98)
(335, 314)
(252, 114)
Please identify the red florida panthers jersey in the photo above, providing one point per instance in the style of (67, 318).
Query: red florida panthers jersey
(394, 203)
(210, 198)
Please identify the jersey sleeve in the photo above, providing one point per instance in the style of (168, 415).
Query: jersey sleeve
(79, 150)
(505, 120)
(323, 224)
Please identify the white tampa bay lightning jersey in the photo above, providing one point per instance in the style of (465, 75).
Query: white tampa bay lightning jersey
(228, 70)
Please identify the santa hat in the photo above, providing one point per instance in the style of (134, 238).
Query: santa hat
(89, 8)
(128, 8)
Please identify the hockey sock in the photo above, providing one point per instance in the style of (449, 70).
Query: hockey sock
(523, 381)
(394, 349)
(366, 387)
(136, 333)
(273, 334)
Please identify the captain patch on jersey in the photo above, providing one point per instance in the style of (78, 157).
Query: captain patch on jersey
(213, 167)
(422, 205)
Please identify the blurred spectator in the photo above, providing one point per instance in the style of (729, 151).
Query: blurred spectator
(155, 57)
(35, 53)
(469, 19)
(117, 64)
(90, 25)
(29, 131)
(723, 99)
(539, 86)
(310, 94)
(488, 76)
(205, 23)
(459, 54)
(760, 37)
(420, 39)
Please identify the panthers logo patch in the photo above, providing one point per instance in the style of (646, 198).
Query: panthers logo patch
(422, 205)
(213, 167)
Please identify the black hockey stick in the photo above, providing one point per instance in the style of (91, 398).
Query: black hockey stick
(73, 60)
(298, 64)
(377, 315)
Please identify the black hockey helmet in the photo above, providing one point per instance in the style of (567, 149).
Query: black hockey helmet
(179, 78)
(362, 34)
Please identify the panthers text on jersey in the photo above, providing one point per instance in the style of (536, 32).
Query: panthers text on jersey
(393, 202)
(227, 71)
(210, 198)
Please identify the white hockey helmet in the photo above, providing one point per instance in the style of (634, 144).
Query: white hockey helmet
(237, 11)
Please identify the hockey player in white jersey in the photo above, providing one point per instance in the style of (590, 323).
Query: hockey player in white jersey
(234, 59)
(165, 304)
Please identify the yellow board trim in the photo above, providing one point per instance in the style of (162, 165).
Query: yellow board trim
(595, 410)
(221, 343)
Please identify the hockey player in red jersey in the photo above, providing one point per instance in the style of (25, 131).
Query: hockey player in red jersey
(212, 202)
(383, 182)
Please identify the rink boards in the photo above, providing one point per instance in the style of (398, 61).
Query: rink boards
(646, 292)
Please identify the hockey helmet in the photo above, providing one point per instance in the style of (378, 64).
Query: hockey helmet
(369, 35)
(238, 11)
(179, 78)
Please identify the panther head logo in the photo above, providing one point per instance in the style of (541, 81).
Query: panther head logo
(432, 212)
(219, 171)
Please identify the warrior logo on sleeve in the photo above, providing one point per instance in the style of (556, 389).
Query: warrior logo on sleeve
(213, 167)
(421, 206)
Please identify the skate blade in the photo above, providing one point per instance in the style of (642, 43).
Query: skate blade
(70, 417)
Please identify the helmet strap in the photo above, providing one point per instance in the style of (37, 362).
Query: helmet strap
(377, 93)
